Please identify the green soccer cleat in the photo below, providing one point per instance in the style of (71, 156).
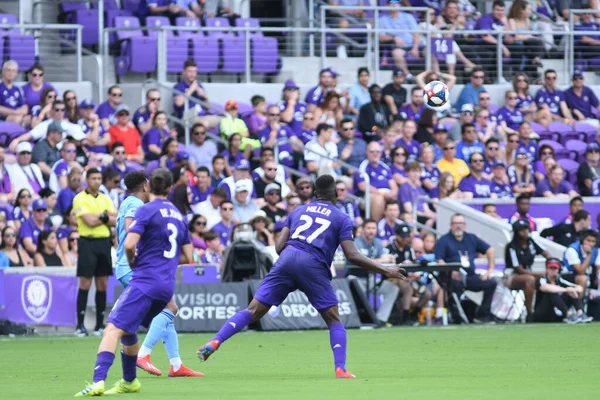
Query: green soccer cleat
(122, 386)
(95, 389)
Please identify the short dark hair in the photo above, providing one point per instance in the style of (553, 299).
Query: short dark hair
(374, 86)
(256, 100)
(487, 205)
(203, 169)
(415, 89)
(345, 121)
(226, 201)
(210, 235)
(476, 70)
(115, 145)
(324, 186)
(523, 196)
(491, 140)
(322, 127)
(189, 63)
(217, 157)
(580, 215)
(499, 3)
(161, 181)
(219, 192)
(464, 127)
(361, 70)
(476, 153)
(390, 203)
(92, 171)
(369, 221)
(197, 125)
(46, 192)
(57, 103)
(134, 180)
(110, 89)
(413, 166)
(587, 233)
(109, 174)
(573, 200)
(265, 150)
(549, 71)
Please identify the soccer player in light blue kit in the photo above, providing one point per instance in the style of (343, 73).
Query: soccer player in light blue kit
(306, 248)
(162, 326)
(163, 238)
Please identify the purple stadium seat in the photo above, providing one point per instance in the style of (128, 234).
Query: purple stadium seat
(205, 51)
(108, 5)
(177, 54)
(158, 21)
(577, 146)
(14, 130)
(234, 60)
(131, 5)
(217, 108)
(537, 128)
(219, 23)
(568, 136)
(555, 145)
(249, 22)
(547, 135)
(264, 55)
(89, 20)
(559, 127)
(21, 48)
(128, 22)
(140, 53)
(590, 131)
(571, 168)
(9, 19)
(109, 21)
(152, 165)
(244, 108)
(67, 7)
(188, 22)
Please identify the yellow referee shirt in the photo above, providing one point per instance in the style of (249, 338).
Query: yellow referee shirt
(85, 203)
(458, 169)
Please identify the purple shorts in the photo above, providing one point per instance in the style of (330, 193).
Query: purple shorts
(296, 269)
(134, 308)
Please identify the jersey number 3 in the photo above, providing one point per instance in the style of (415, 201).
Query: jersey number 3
(308, 222)
(173, 240)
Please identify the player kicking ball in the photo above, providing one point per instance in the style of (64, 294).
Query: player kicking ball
(306, 247)
(163, 326)
(162, 233)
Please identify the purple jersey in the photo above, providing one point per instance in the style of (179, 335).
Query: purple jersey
(11, 97)
(516, 178)
(198, 196)
(299, 109)
(512, 118)
(30, 230)
(385, 231)
(141, 116)
(182, 87)
(583, 103)
(211, 258)
(532, 150)
(488, 23)
(163, 232)
(552, 98)
(63, 232)
(481, 188)
(32, 97)
(582, 26)
(563, 187)
(315, 96)
(524, 102)
(349, 208)
(105, 110)
(379, 174)
(101, 132)
(408, 113)
(432, 174)
(318, 229)
(154, 136)
(413, 147)
(408, 193)
(223, 231)
(307, 135)
(502, 190)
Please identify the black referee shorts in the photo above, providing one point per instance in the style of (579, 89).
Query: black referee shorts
(94, 258)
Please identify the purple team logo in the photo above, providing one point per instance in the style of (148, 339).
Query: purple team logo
(36, 297)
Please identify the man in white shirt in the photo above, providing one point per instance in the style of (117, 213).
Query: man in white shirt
(319, 152)
(241, 170)
(23, 174)
(209, 208)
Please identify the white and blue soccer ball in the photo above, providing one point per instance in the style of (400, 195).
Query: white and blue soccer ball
(436, 95)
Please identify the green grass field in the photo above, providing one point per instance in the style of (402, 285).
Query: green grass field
(474, 362)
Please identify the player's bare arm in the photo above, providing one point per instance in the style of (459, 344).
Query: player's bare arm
(186, 256)
(130, 245)
(283, 238)
(357, 258)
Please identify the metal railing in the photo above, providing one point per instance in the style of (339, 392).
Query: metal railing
(419, 225)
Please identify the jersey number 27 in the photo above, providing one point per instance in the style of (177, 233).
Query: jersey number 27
(308, 222)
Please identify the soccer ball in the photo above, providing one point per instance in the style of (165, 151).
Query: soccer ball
(435, 95)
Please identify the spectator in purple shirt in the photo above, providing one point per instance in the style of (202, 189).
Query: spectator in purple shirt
(486, 48)
(411, 145)
(33, 90)
(154, 138)
(96, 136)
(292, 108)
(474, 185)
(500, 186)
(202, 188)
(66, 195)
(12, 99)
(119, 160)
(430, 175)
(409, 193)
(544, 152)
(31, 228)
(258, 118)
(386, 227)
(43, 110)
(107, 111)
(346, 205)
(143, 117)
(191, 87)
(550, 97)
(525, 102)
(510, 117)
(415, 107)
(307, 131)
(587, 45)
(582, 101)
(164, 8)
(316, 95)
(555, 184)
(525, 142)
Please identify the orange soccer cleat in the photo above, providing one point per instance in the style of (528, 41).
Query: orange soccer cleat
(145, 364)
(184, 371)
(205, 351)
(341, 374)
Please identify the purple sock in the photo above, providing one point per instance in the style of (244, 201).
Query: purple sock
(337, 340)
(129, 364)
(239, 321)
(103, 362)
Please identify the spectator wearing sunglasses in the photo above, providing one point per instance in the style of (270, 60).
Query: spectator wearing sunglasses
(469, 143)
(474, 185)
(33, 90)
(107, 111)
(60, 169)
(272, 200)
(201, 150)
(510, 117)
(24, 174)
(449, 163)
(45, 153)
(143, 117)
(351, 149)
(472, 89)
(31, 228)
(582, 101)
(555, 184)
(346, 205)
(550, 97)
(588, 174)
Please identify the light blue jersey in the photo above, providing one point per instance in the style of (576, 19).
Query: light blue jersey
(127, 210)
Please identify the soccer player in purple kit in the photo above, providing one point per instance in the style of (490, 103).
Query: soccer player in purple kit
(163, 239)
(306, 247)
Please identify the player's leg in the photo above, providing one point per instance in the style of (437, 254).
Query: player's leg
(129, 350)
(337, 340)
(155, 333)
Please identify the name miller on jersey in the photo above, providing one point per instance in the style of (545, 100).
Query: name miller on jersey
(319, 210)
(170, 213)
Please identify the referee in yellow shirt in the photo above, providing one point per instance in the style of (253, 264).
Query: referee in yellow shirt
(95, 215)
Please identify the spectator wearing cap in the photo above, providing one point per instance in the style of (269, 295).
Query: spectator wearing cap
(459, 246)
(440, 135)
(474, 185)
(520, 174)
(519, 257)
(400, 43)
(359, 93)
(32, 227)
(272, 201)
(209, 208)
(201, 150)
(269, 176)
(320, 153)
(231, 123)
(305, 190)
(316, 95)
(414, 108)
(575, 205)
(374, 116)
(154, 139)
(346, 205)
(351, 149)
(467, 113)
(124, 132)
(582, 101)
(45, 153)
(107, 111)
(469, 143)
(555, 185)
(58, 175)
(241, 171)
(469, 93)
(24, 174)
(588, 174)
(224, 227)
(95, 133)
(582, 260)
(192, 88)
(275, 132)
(243, 206)
(556, 293)
(550, 97)
(12, 100)
(382, 186)
(261, 223)
(32, 91)
(394, 95)
(510, 117)
(41, 130)
(566, 234)
(292, 109)
(500, 186)
(449, 163)
(409, 193)
(143, 117)
(203, 187)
